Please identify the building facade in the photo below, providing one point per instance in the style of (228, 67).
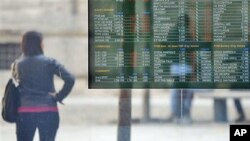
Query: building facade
(64, 24)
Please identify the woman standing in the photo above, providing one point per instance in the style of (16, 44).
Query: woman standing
(34, 73)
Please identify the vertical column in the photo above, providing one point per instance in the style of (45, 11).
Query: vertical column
(182, 22)
(124, 123)
(208, 21)
(197, 21)
(245, 66)
(248, 21)
(245, 20)
(182, 38)
(182, 65)
(118, 26)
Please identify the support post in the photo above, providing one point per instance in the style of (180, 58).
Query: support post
(124, 117)
(146, 106)
(220, 110)
(124, 123)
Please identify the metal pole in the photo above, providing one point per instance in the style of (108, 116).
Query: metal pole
(124, 124)
(147, 6)
(124, 117)
(146, 106)
(220, 110)
(181, 106)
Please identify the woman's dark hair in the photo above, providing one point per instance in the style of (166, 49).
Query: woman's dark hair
(31, 43)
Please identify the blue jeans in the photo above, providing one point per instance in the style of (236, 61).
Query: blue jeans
(47, 124)
(181, 103)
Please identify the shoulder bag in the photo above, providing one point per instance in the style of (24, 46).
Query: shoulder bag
(10, 102)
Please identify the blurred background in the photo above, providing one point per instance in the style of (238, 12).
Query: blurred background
(92, 115)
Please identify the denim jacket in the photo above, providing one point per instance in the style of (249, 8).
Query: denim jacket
(35, 76)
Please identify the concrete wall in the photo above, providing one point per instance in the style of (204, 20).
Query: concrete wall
(64, 24)
(71, 51)
(50, 16)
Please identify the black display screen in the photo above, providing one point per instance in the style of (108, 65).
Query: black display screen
(169, 44)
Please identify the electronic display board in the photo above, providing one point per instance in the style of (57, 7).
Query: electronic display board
(169, 44)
